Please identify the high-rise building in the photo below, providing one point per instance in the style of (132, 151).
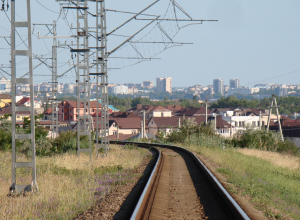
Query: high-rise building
(281, 91)
(234, 83)
(218, 86)
(164, 84)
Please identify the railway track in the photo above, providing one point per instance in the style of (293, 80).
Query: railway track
(181, 187)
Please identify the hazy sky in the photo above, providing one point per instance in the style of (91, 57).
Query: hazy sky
(257, 41)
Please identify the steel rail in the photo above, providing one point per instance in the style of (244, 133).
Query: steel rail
(236, 210)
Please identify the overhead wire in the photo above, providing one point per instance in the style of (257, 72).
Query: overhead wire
(25, 43)
(47, 8)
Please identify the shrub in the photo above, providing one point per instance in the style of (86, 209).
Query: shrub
(67, 141)
(289, 147)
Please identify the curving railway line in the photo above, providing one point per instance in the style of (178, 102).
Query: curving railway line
(181, 187)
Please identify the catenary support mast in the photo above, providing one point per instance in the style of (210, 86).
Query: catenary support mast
(83, 78)
(15, 187)
(101, 78)
(54, 99)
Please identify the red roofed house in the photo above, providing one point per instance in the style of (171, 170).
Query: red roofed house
(176, 109)
(68, 111)
(26, 101)
(194, 112)
(126, 125)
(156, 124)
(20, 115)
(151, 111)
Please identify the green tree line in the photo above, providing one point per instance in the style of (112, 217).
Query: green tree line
(287, 105)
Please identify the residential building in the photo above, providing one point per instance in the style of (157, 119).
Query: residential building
(26, 101)
(167, 125)
(290, 129)
(148, 84)
(194, 112)
(151, 111)
(281, 91)
(119, 89)
(243, 118)
(132, 90)
(20, 115)
(130, 125)
(5, 85)
(164, 84)
(5, 99)
(176, 109)
(234, 83)
(133, 85)
(68, 110)
(218, 86)
(243, 91)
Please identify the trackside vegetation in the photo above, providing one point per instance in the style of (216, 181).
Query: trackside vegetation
(65, 142)
(250, 164)
(68, 185)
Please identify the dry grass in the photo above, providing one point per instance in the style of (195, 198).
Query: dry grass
(67, 185)
(270, 181)
(278, 159)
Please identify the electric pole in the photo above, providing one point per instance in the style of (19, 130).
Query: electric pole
(54, 99)
(274, 105)
(15, 188)
(101, 77)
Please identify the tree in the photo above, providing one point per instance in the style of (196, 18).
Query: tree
(195, 98)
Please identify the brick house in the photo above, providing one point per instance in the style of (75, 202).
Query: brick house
(68, 111)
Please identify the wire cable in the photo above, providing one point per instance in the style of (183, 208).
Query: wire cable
(47, 8)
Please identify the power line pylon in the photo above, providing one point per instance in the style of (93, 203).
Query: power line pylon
(101, 77)
(15, 188)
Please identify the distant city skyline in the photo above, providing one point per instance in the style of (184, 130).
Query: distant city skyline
(264, 48)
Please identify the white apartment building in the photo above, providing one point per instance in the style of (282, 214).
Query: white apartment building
(5, 85)
(164, 84)
(120, 89)
(243, 91)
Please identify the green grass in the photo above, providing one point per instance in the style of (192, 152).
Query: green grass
(67, 185)
(268, 186)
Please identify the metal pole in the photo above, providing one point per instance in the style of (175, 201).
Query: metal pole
(83, 78)
(144, 125)
(117, 132)
(230, 127)
(205, 111)
(269, 117)
(54, 106)
(15, 188)
(102, 61)
(278, 119)
(215, 122)
(260, 120)
(142, 130)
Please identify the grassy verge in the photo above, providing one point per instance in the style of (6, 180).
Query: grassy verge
(67, 185)
(272, 186)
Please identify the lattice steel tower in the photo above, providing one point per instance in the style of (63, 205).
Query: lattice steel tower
(15, 187)
(54, 85)
(101, 77)
(83, 77)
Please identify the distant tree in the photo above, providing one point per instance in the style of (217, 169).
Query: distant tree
(195, 98)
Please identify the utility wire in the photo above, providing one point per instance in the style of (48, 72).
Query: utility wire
(296, 71)
(27, 45)
(47, 8)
